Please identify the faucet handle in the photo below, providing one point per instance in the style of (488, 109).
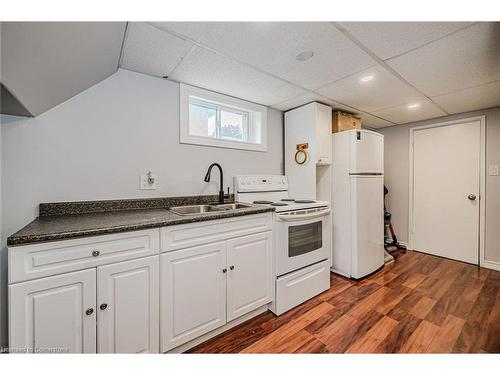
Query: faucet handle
(227, 195)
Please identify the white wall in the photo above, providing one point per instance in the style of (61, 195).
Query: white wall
(396, 176)
(95, 146)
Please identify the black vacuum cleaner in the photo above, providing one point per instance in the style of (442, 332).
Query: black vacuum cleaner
(391, 243)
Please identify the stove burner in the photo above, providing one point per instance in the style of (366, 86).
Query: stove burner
(279, 204)
(288, 200)
(262, 202)
(304, 201)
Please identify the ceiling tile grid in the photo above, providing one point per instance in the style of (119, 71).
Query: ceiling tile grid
(216, 72)
(483, 96)
(387, 72)
(467, 58)
(370, 90)
(274, 46)
(402, 114)
(152, 51)
(190, 30)
(374, 122)
(389, 39)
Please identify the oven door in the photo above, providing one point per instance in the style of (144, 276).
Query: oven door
(302, 238)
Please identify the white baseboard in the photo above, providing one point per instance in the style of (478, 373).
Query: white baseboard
(491, 265)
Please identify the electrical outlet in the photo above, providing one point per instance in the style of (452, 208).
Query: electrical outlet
(493, 170)
(145, 183)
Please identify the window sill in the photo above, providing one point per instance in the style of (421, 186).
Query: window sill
(209, 142)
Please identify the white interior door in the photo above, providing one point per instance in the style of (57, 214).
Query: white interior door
(446, 175)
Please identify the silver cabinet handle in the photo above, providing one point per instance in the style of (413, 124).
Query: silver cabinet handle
(96, 253)
(89, 311)
(231, 268)
(472, 197)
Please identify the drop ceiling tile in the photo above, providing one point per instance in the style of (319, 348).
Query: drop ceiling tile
(212, 71)
(302, 100)
(192, 30)
(402, 114)
(273, 47)
(383, 90)
(478, 97)
(369, 121)
(152, 51)
(388, 39)
(467, 58)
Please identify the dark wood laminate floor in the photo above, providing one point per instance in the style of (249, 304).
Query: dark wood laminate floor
(419, 304)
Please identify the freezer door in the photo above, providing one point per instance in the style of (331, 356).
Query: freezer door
(367, 152)
(367, 194)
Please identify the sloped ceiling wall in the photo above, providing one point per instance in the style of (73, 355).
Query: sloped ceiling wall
(10, 105)
(45, 63)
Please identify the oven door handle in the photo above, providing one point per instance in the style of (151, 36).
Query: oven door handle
(313, 215)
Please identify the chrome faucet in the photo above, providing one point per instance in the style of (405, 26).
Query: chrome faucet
(221, 186)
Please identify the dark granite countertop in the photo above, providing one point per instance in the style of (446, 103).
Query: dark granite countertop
(65, 226)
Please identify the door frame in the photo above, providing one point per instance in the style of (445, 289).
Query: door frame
(482, 183)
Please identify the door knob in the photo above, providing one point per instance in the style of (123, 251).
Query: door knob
(103, 306)
(89, 311)
(472, 197)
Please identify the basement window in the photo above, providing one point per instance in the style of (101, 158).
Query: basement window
(212, 119)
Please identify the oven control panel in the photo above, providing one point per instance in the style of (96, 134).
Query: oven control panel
(262, 183)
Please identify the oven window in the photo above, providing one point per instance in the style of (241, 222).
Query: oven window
(305, 238)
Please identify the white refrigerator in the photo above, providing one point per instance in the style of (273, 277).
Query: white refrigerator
(357, 202)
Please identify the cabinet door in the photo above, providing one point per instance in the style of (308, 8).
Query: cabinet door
(54, 314)
(128, 307)
(249, 283)
(324, 133)
(192, 293)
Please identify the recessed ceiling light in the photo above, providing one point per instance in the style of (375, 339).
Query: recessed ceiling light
(365, 79)
(413, 106)
(305, 55)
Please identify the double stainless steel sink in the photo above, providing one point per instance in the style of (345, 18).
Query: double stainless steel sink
(207, 208)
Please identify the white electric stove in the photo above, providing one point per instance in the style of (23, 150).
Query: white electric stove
(302, 238)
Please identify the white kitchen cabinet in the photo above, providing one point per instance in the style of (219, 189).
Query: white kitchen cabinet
(193, 293)
(54, 314)
(311, 124)
(204, 287)
(43, 259)
(249, 283)
(128, 307)
(176, 237)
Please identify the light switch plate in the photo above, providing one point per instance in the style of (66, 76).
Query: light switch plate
(493, 170)
(144, 183)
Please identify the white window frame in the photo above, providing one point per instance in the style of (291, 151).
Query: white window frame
(221, 102)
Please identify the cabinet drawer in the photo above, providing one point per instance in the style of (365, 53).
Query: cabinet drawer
(194, 234)
(301, 285)
(51, 258)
